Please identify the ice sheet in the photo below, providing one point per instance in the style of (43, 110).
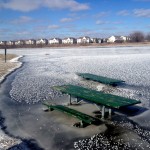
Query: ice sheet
(45, 68)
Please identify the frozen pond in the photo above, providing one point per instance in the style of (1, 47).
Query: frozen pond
(44, 68)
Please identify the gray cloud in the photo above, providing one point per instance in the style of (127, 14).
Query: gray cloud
(22, 20)
(66, 20)
(72, 19)
(28, 5)
(102, 14)
(23, 33)
(142, 12)
(135, 12)
(142, 0)
(21, 5)
(123, 13)
(4, 30)
(101, 22)
(117, 22)
(53, 26)
(112, 28)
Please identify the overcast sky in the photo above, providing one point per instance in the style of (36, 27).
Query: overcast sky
(26, 19)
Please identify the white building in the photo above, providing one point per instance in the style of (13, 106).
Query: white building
(104, 40)
(94, 40)
(125, 38)
(10, 43)
(30, 42)
(2, 42)
(55, 41)
(42, 41)
(19, 42)
(113, 39)
(84, 39)
(99, 40)
(69, 40)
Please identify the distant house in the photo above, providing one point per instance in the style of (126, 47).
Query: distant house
(104, 40)
(10, 43)
(69, 40)
(125, 38)
(99, 40)
(30, 42)
(113, 39)
(54, 41)
(19, 42)
(84, 39)
(42, 41)
(94, 40)
(2, 43)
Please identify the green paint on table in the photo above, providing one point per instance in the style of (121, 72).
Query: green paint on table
(96, 97)
(81, 116)
(100, 79)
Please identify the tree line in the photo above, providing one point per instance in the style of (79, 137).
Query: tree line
(139, 36)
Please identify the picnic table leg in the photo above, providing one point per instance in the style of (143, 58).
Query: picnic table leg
(110, 112)
(5, 55)
(70, 99)
(77, 99)
(103, 112)
(81, 124)
(51, 109)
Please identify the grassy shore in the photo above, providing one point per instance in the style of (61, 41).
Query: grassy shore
(6, 67)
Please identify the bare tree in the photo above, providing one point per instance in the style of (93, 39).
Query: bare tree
(148, 37)
(137, 36)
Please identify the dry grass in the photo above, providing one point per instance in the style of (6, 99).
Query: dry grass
(9, 57)
(5, 67)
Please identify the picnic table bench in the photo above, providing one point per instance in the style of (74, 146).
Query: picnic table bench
(85, 119)
(101, 79)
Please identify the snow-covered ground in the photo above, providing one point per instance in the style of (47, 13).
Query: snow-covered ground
(44, 68)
